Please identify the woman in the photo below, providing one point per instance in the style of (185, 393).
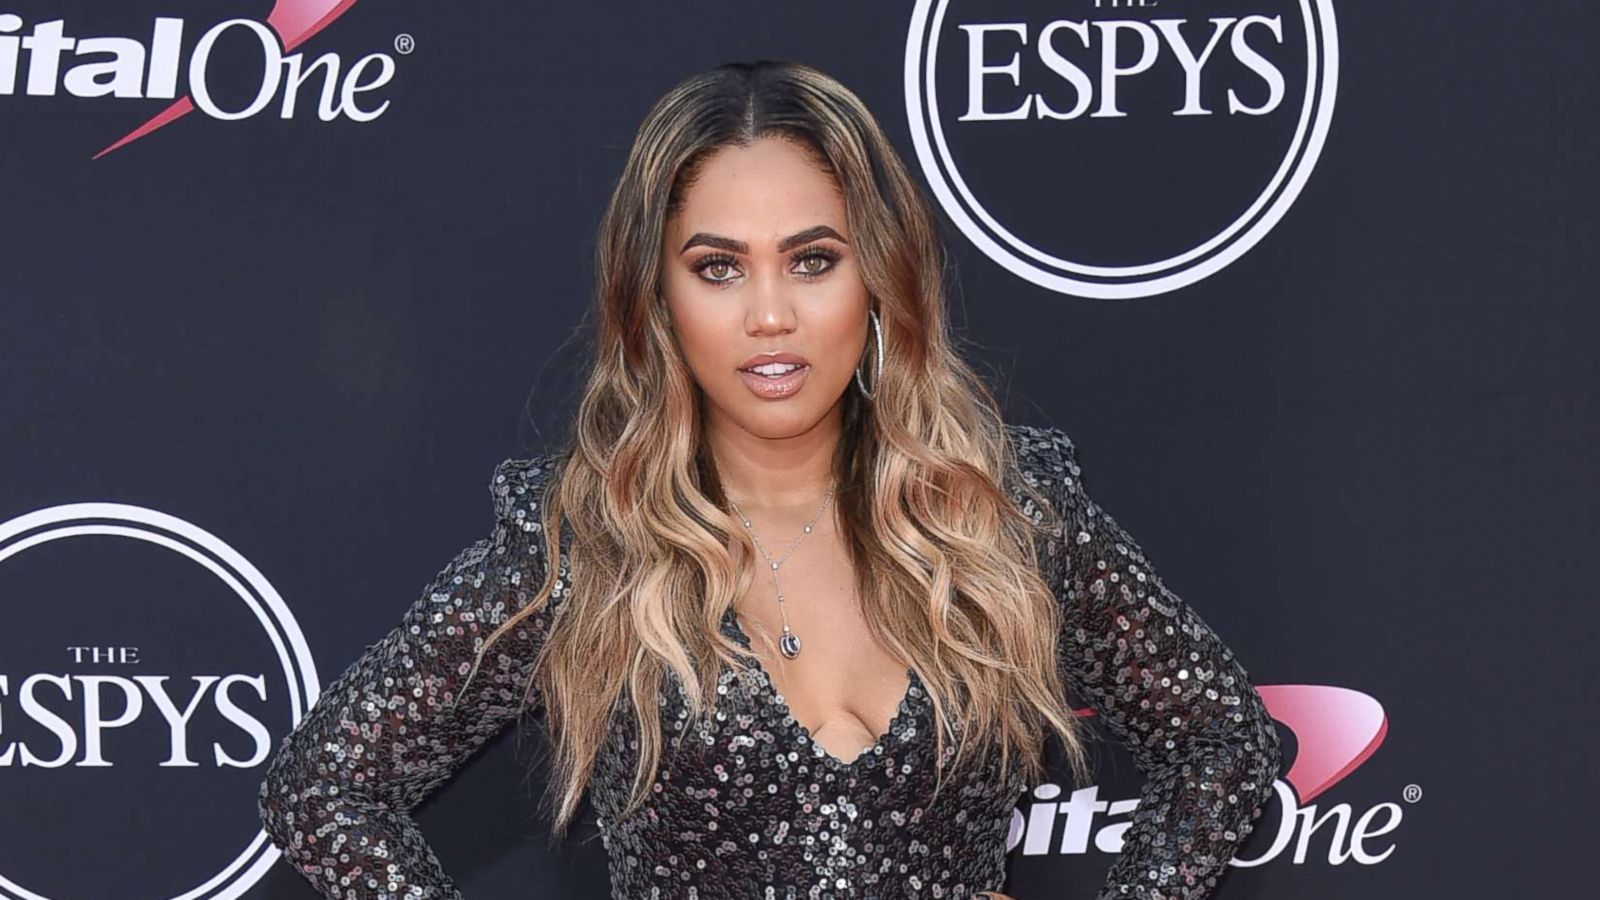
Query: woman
(777, 440)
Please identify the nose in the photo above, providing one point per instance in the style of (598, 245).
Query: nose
(770, 311)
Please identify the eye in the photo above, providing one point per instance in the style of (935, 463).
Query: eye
(816, 261)
(720, 266)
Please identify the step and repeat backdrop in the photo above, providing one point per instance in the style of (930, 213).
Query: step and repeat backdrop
(1310, 283)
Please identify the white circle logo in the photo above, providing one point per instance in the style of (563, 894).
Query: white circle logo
(89, 686)
(1114, 149)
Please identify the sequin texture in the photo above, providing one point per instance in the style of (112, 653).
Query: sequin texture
(746, 804)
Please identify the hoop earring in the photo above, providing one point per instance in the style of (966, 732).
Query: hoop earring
(877, 331)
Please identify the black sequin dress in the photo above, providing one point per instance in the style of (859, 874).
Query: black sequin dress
(750, 805)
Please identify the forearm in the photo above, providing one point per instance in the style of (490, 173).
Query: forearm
(349, 846)
(1193, 814)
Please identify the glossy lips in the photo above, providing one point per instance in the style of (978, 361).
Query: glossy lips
(774, 376)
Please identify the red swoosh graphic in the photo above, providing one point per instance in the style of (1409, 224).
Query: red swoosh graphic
(295, 21)
(1337, 730)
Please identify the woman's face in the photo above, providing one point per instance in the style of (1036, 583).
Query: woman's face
(763, 290)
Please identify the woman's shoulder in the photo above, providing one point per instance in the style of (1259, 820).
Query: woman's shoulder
(518, 482)
(1041, 448)
(1047, 462)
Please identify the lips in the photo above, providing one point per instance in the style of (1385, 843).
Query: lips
(774, 376)
(781, 357)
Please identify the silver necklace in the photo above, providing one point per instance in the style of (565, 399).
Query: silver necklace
(788, 642)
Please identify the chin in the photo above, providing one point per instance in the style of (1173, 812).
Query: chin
(773, 419)
(775, 424)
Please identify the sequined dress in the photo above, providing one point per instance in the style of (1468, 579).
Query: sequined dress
(750, 805)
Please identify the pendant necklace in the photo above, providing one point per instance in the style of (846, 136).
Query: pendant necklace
(789, 642)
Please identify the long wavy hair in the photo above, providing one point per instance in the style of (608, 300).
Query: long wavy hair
(944, 562)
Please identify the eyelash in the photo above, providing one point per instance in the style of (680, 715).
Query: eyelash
(711, 259)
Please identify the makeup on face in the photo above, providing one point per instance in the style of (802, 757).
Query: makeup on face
(730, 249)
(760, 279)
(774, 376)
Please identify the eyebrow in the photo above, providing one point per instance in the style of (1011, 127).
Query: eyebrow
(788, 243)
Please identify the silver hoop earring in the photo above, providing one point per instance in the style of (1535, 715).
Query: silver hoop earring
(877, 331)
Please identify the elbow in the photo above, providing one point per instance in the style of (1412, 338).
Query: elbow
(293, 799)
(1245, 759)
(303, 791)
(277, 798)
(1273, 750)
(1261, 748)
(1246, 753)
(1272, 759)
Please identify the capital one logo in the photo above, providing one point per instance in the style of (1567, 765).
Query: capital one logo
(145, 670)
(48, 60)
(1335, 731)
(1119, 148)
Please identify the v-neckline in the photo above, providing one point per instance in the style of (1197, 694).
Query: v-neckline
(875, 749)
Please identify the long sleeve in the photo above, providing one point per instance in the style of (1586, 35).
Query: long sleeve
(393, 727)
(1164, 685)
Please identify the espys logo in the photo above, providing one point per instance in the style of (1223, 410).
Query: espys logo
(1119, 148)
(126, 67)
(144, 672)
(1335, 731)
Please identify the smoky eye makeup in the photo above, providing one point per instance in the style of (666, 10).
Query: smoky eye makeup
(820, 252)
(802, 260)
(700, 265)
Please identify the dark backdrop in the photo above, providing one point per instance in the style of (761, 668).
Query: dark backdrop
(1363, 449)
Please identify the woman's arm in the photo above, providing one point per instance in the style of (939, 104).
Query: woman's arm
(1166, 687)
(338, 794)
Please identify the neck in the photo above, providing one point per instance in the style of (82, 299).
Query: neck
(762, 473)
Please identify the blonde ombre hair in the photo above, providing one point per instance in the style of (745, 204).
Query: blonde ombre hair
(945, 563)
